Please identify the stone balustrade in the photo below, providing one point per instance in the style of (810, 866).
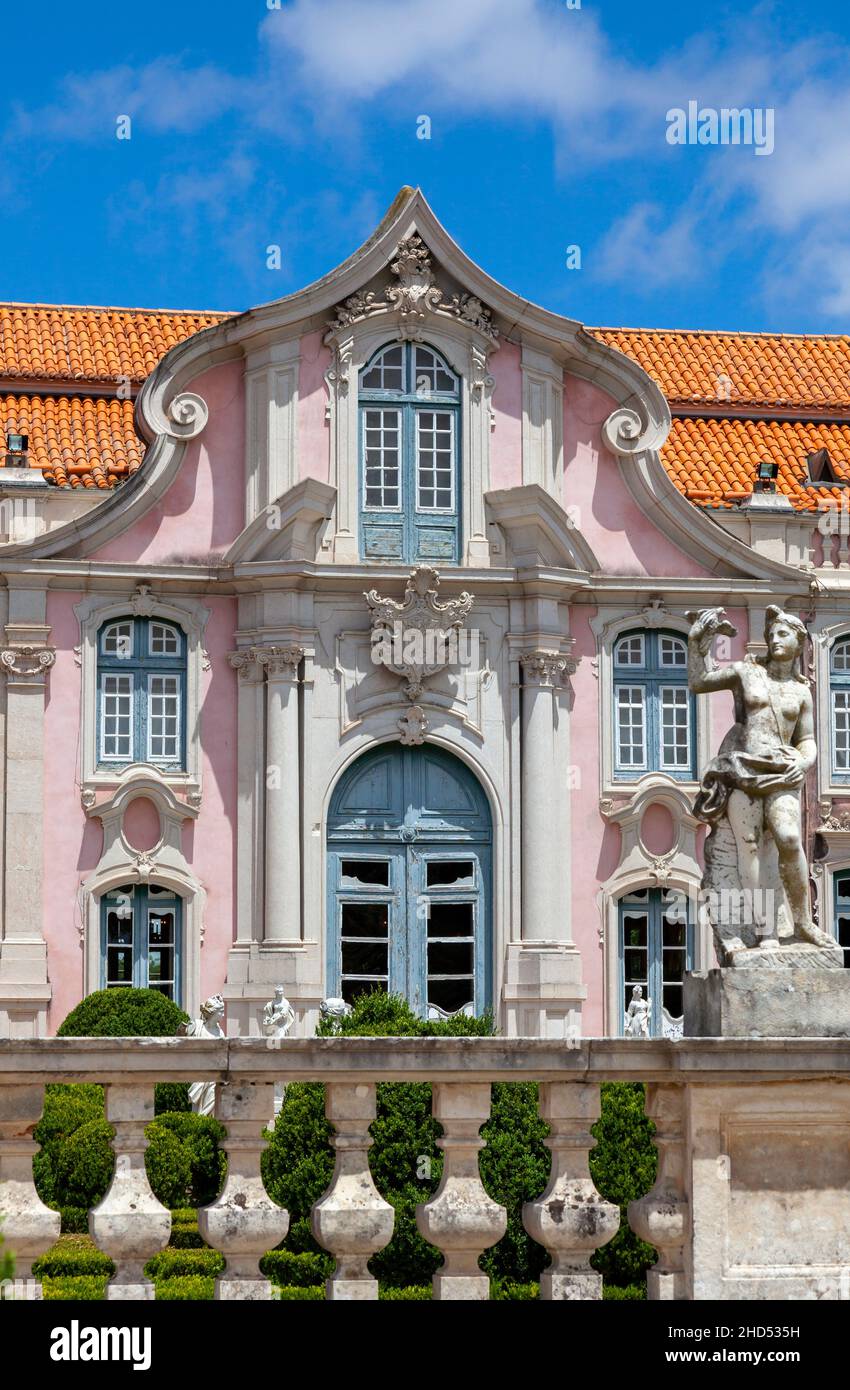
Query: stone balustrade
(751, 1200)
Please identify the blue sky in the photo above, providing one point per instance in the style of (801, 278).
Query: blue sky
(254, 126)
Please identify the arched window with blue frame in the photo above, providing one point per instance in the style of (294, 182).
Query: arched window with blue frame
(839, 708)
(141, 694)
(409, 455)
(656, 948)
(654, 711)
(141, 939)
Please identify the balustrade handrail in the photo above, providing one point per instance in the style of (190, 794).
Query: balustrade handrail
(339, 1059)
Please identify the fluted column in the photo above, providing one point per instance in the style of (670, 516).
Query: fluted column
(545, 847)
(243, 1222)
(460, 1219)
(662, 1217)
(283, 794)
(571, 1219)
(352, 1220)
(130, 1224)
(27, 1226)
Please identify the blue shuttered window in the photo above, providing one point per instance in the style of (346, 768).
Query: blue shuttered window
(409, 451)
(141, 939)
(841, 923)
(141, 694)
(654, 715)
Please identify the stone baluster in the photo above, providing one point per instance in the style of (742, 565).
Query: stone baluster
(460, 1219)
(243, 1222)
(351, 1219)
(570, 1220)
(662, 1217)
(129, 1224)
(27, 1226)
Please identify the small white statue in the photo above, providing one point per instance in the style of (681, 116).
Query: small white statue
(278, 1018)
(202, 1093)
(637, 1015)
(335, 1010)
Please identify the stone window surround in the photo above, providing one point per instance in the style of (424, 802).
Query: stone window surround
(609, 625)
(191, 616)
(678, 868)
(164, 865)
(825, 634)
(467, 351)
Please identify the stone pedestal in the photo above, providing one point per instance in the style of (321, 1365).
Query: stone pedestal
(789, 1001)
(769, 1175)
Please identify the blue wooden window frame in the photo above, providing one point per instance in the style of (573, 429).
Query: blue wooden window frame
(129, 935)
(841, 911)
(642, 949)
(839, 709)
(420, 929)
(137, 667)
(404, 528)
(642, 683)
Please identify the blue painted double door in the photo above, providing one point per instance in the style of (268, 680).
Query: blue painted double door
(409, 863)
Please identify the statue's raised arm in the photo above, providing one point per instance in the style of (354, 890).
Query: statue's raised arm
(703, 675)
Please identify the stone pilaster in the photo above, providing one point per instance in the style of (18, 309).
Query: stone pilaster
(282, 920)
(25, 660)
(543, 990)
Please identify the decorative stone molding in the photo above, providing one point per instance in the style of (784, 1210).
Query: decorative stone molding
(27, 664)
(187, 415)
(638, 867)
(415, 296)
(164, 864)
(626, 432)
(143, 602)
(413, 638)
(655, 614)
(413, 726)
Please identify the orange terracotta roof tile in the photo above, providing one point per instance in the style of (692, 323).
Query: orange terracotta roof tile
(740, 369)
(713, 461)
(76, 441)
(66, 343)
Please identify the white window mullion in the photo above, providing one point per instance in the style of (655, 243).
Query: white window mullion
(841, 731)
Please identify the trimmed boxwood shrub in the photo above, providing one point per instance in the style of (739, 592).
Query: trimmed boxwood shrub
(200, 1136)
(75, 1221)
(168, 1165)
(623, 1166)
(294, 1294)
(123, 1013)
(170, 1263)
(131, 1013)
(84, 1165)
(196, 1287)
(80, 1287)
(69, 1258)
(296, 1271)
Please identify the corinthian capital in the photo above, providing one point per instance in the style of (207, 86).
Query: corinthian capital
(547, 668)
(279, 661)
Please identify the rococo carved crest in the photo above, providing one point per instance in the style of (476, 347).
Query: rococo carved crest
(420, 636)
(415, 295)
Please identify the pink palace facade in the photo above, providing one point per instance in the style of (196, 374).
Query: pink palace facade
(210, 785)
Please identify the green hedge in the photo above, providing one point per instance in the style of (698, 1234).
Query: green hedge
(190, 1286)
(295, 1294)
(170, 1263)
(74, 1288)
(123, 1013)
(296, 1271)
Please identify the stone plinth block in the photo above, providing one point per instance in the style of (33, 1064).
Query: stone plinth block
(769, 1172)
(789, 1002)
